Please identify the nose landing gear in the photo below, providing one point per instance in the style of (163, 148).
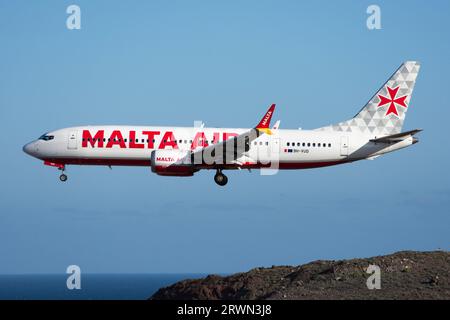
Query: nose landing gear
(61, 167)
(220, 178)
(63, 177)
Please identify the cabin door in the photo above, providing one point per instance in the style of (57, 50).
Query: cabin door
(72, 140)
(344, 146)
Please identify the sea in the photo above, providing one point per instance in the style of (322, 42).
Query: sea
(92, 286)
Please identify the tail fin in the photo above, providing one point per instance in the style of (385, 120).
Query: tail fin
(385, 112)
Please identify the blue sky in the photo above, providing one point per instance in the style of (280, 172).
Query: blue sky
(223, 62)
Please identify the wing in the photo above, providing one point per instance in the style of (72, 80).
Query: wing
(396, 137)
(227, 152)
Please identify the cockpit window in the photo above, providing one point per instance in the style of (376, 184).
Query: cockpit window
(46, 137)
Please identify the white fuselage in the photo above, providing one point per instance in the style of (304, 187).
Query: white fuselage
(133, 145)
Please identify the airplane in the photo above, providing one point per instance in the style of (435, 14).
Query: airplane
(182, 151)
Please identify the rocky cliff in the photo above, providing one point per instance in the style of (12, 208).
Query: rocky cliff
(404, 275)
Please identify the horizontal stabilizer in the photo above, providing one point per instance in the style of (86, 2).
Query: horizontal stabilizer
(396, 137)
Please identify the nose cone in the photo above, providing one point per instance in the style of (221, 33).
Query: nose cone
(30, 149)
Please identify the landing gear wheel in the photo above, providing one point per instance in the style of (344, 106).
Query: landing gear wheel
(63, 177)
(220, 178)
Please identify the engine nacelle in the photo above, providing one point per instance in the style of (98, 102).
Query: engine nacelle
(170, 163)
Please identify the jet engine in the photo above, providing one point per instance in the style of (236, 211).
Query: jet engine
(171, 163)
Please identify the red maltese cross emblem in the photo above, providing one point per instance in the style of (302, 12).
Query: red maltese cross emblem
(392, 101)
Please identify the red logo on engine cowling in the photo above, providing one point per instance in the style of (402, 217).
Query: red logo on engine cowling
(165, 159)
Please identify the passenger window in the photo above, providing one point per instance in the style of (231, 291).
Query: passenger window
(309, 144)
(287, 144)
(267, 143)
(314, 144)
(329, 145)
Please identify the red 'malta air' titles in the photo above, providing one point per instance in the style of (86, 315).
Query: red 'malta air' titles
(98, 140)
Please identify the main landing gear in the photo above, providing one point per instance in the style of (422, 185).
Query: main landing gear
(220, 178)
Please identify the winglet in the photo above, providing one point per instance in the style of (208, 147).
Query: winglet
(276, 126)
(264, 124)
